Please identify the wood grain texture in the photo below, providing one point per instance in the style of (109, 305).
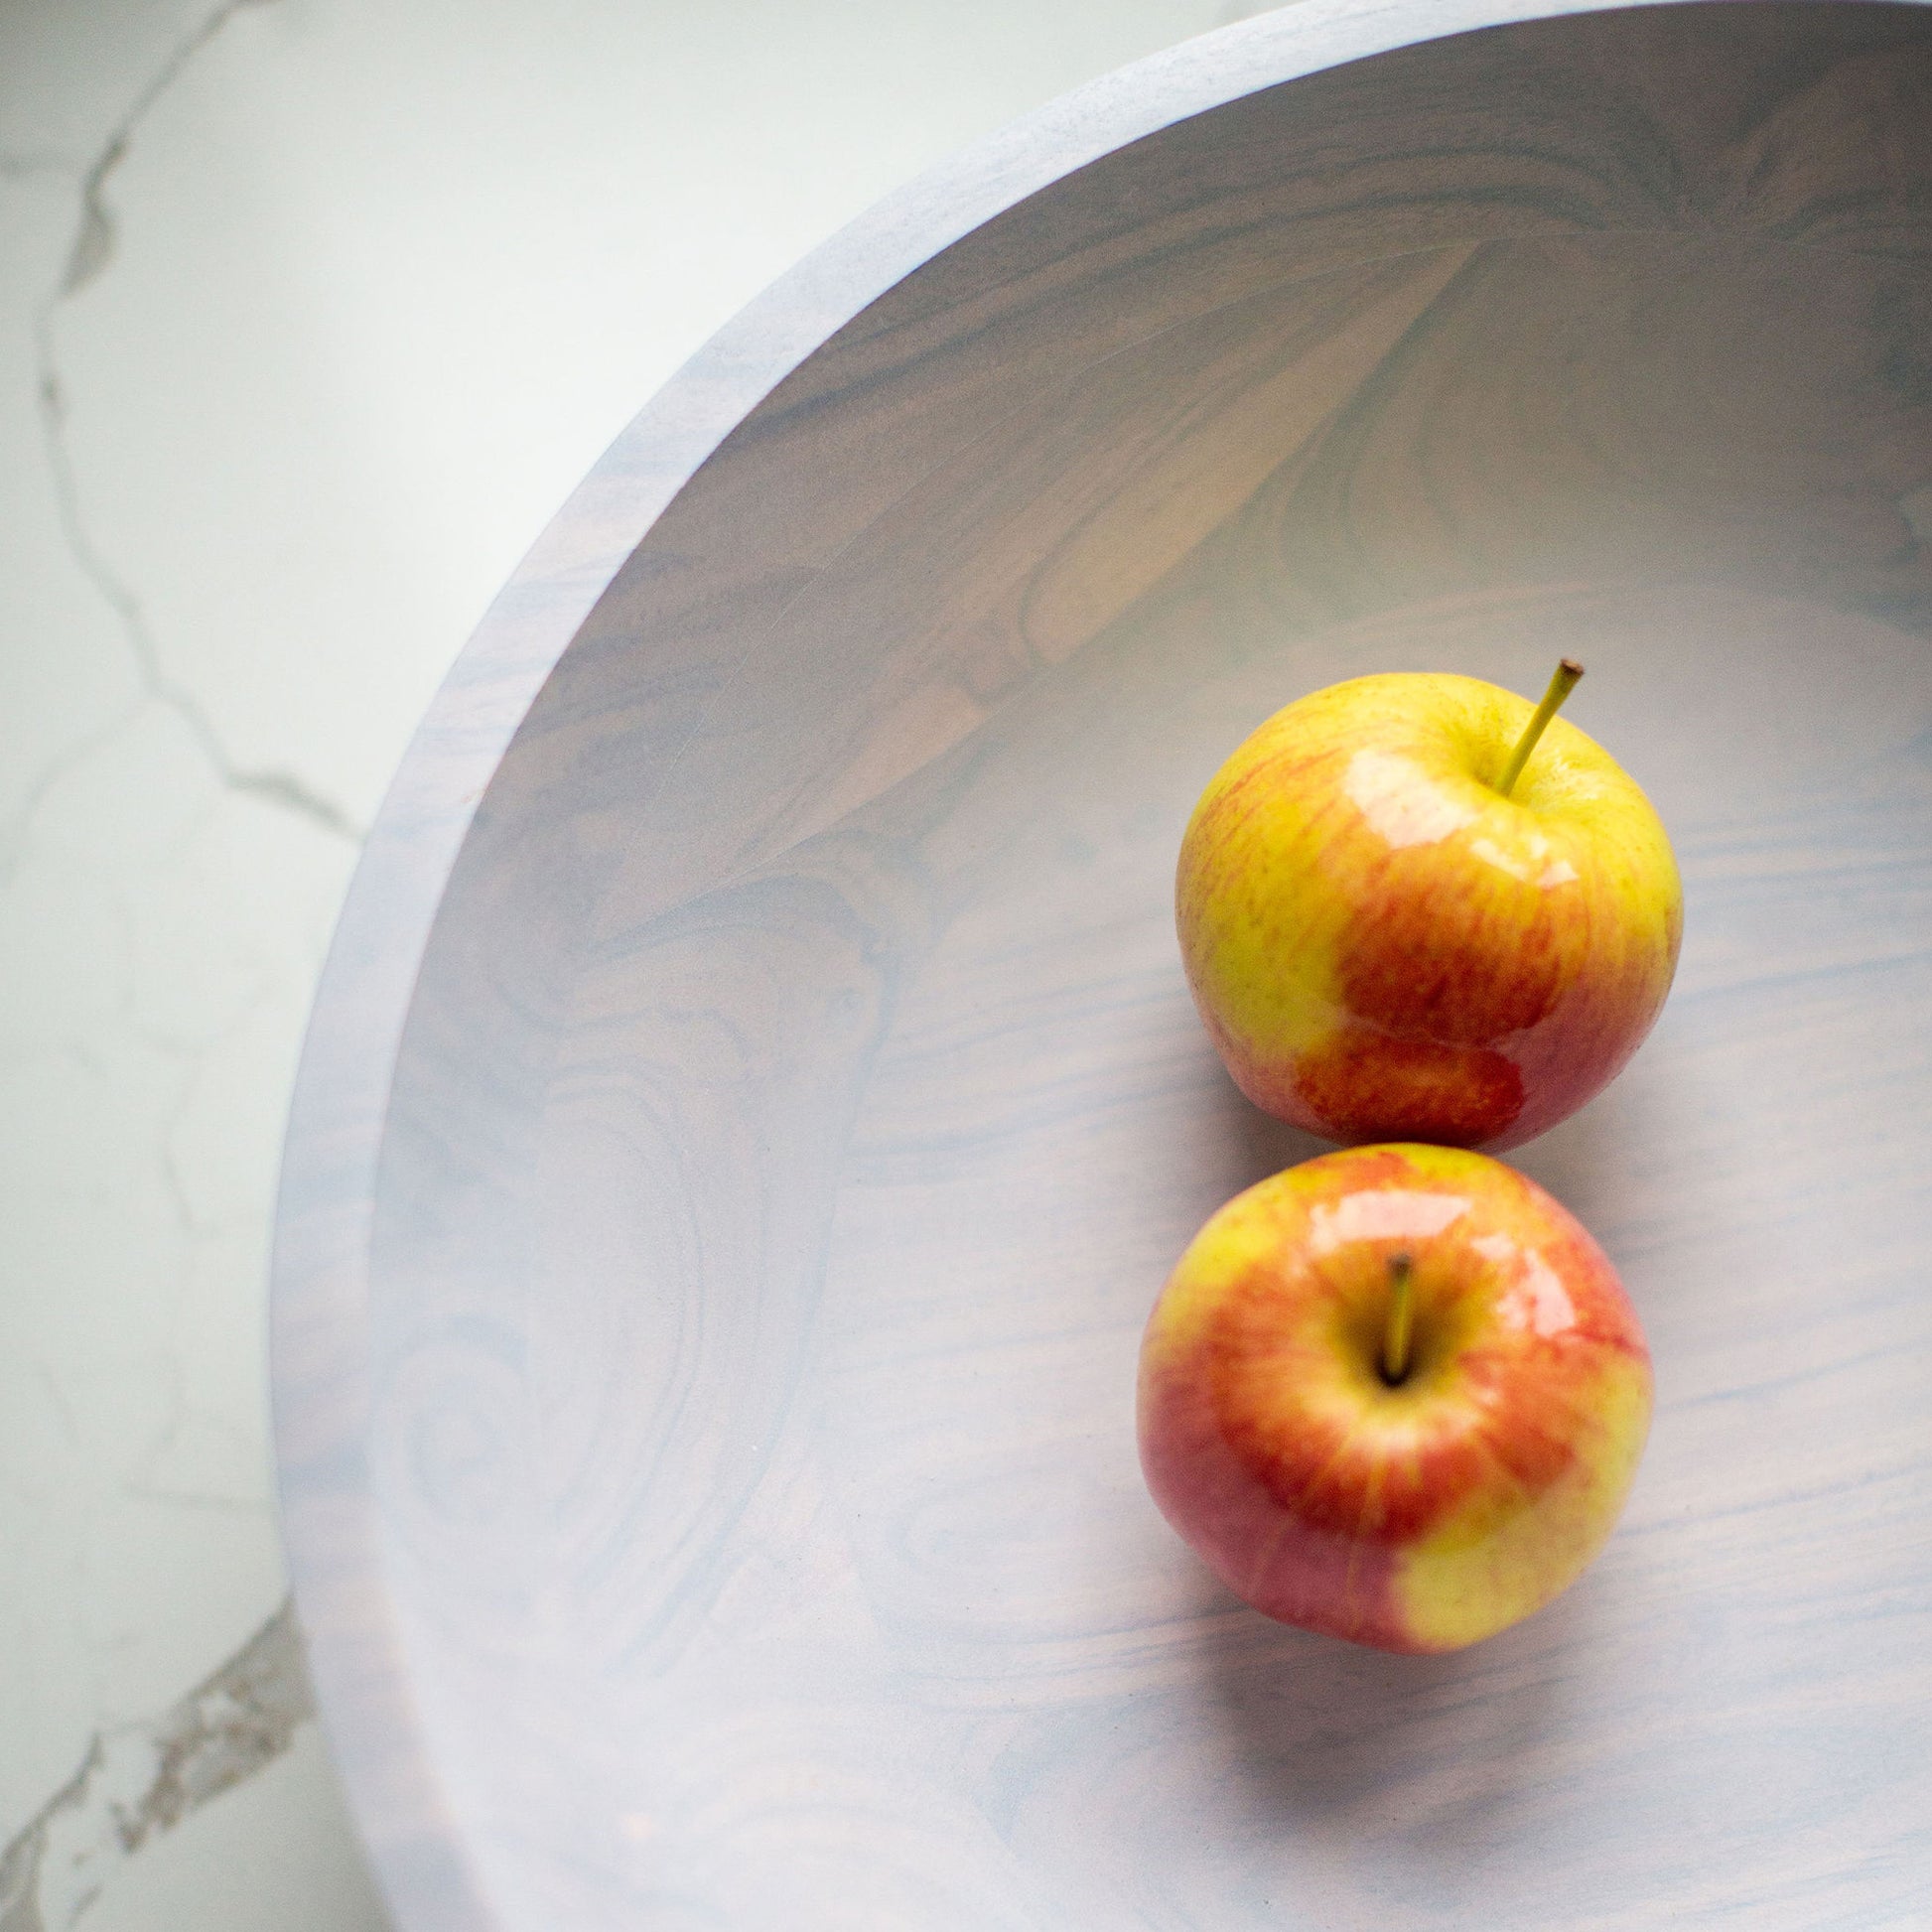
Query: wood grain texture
(799, 1103)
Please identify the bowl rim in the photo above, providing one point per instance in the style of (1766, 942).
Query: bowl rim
(320, 1340)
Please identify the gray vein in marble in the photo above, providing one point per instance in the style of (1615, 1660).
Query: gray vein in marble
(93, 241)
(137, 1781)
(90, 254)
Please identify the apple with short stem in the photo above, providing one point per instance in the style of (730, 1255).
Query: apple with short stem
(1396, 1394)
(1412, 906)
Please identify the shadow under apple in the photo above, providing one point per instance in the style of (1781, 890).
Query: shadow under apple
(1582, 1160)
(1432, 1765)
(1235, 1142)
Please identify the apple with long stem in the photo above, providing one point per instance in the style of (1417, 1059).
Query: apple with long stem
(1412, 907)
(1396, 1394)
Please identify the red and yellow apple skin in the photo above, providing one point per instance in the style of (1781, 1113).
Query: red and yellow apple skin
(1417, 1517)
(1385, 947)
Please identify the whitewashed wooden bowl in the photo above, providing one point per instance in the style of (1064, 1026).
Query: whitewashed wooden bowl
(752, 1101)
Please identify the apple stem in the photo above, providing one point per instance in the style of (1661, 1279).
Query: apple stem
(1560, 686)
(1402, 1320)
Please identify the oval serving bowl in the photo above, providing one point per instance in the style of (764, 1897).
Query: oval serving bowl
(752, 1099)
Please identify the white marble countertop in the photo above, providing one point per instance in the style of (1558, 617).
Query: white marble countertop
(314, 311)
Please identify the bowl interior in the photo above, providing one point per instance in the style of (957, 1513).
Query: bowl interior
(802, 1103)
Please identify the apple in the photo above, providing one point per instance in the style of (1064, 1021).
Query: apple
(1400, 924)
(1396, 1394)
